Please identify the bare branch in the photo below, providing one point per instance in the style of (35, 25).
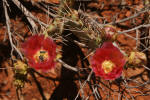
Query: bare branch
(27, 14)
(68, 66)
(8, 29)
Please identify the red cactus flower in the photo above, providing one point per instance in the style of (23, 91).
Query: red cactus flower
(40, 52)
(108, 61)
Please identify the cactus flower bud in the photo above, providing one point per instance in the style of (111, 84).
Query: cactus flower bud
(20, 67)
(20, 73)
(110, 33)
(137, 58)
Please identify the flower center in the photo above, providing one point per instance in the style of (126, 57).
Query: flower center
(41, 56)
(108, 66)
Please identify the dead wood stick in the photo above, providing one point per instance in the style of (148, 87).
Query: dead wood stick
(27, 14)
(5, 4)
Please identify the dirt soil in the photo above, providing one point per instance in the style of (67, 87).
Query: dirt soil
(45, 86)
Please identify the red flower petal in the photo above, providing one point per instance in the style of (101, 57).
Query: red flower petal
(108, 52)
(35, 44)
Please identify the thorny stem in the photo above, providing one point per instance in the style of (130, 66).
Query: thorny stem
(65, 7)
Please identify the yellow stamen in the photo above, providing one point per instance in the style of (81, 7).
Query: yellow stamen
(108, 66)
(41, 56)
